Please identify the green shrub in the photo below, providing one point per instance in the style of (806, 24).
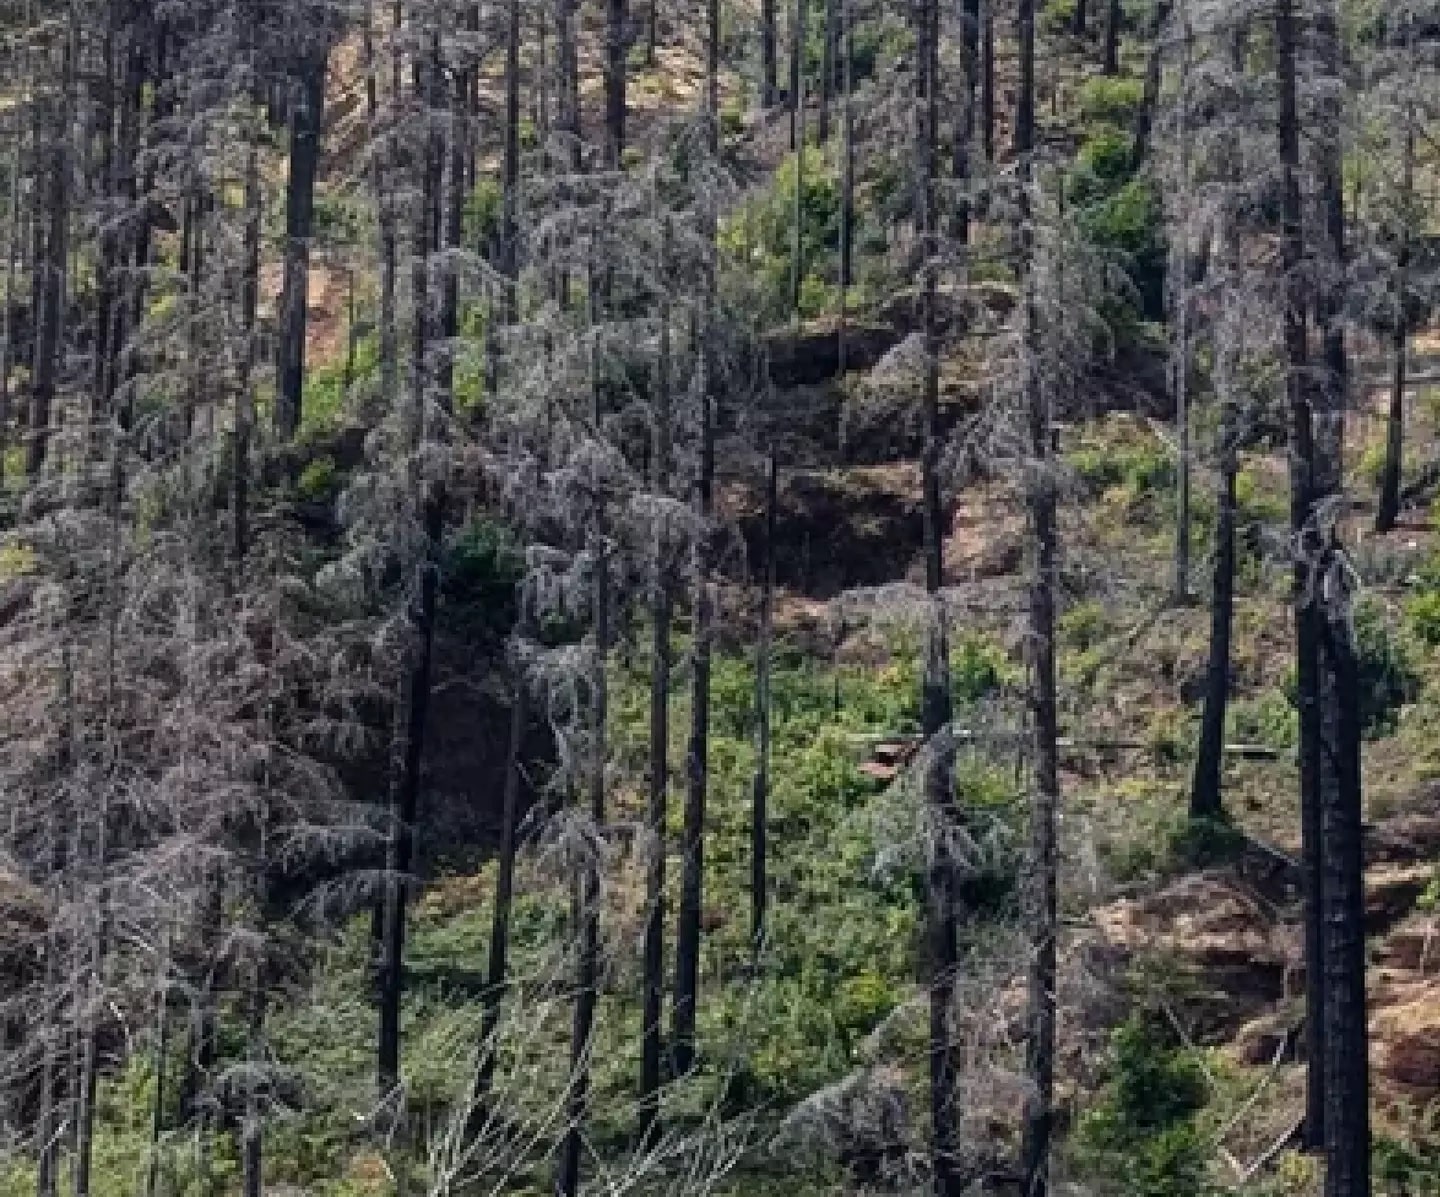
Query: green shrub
(1256, 504)
(758, 239)
(1201, 843)
(1102, 166)
(1422, 615)
(1057, 16)
(1270, 718)
(1142, 1138)
(1402, 1167)
(482, 568)
(978, 668)
(483, 212)
(1113, 101)
(319, 482)
(1084, 625)
(1171, 736)
(1388, 678)
(1129, 223)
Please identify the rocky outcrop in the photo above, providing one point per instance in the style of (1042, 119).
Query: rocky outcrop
(809, 353)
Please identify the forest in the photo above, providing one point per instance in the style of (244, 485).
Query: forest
(719, 598)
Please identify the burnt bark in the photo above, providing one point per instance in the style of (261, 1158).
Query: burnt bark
(1302, 501)
(1115, 18)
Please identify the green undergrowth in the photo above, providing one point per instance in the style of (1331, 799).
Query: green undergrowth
(841, 954)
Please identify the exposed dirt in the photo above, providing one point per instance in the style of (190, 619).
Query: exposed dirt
(1242, 954)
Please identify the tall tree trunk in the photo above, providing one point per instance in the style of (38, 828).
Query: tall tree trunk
(987, 78)
(1079, 20)
(759, 813)
(587, 904)
(827, 71)
(252, 1120)
(1347, 1079)
(430, 506)
(451, 230)
(21, 144)
(383, 170)
(569, 87)
(965, 118)
(1206, 792)
(1307, 663)
(847, 183)
(769, 85)
(656, 811)
(1150, 98)
(106, 261)
(797, 137)
(50, 286)
(1180, 336)
(616, 48)
(1388, 509)
(244, 391)
(936, 698)
(1041, 880)
(697, 758)
(307, 111)
(797, 74)
(1115, 18)
(510, 170)
(160, 1056)
(497, 963)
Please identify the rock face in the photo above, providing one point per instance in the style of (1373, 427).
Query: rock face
(1215, 929)
(1242, 953)
(959, 309)
(1405, 1037)
(859, 527)
(810, 353)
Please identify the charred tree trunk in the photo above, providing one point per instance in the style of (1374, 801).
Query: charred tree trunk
(50, 289)
(429, 504)
(697, 762)
(244, 391)
(160, 1056)
(987, 78)
(383, 162)
(1388, 509)
(936, 699)
(510, 170)
(497, 963)
(1041, 880)
(827, 71)
(797, 74)
(965, 119)
(1346, 1062)
(307, 112)
(1180, 334)
(1145, 114)
(1206, 790)
(1110, 64)
(759, 814)
(1307, 662)
(847, 180)
(587, 901)
(657, 807)
(617, 45)
(769, 75)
